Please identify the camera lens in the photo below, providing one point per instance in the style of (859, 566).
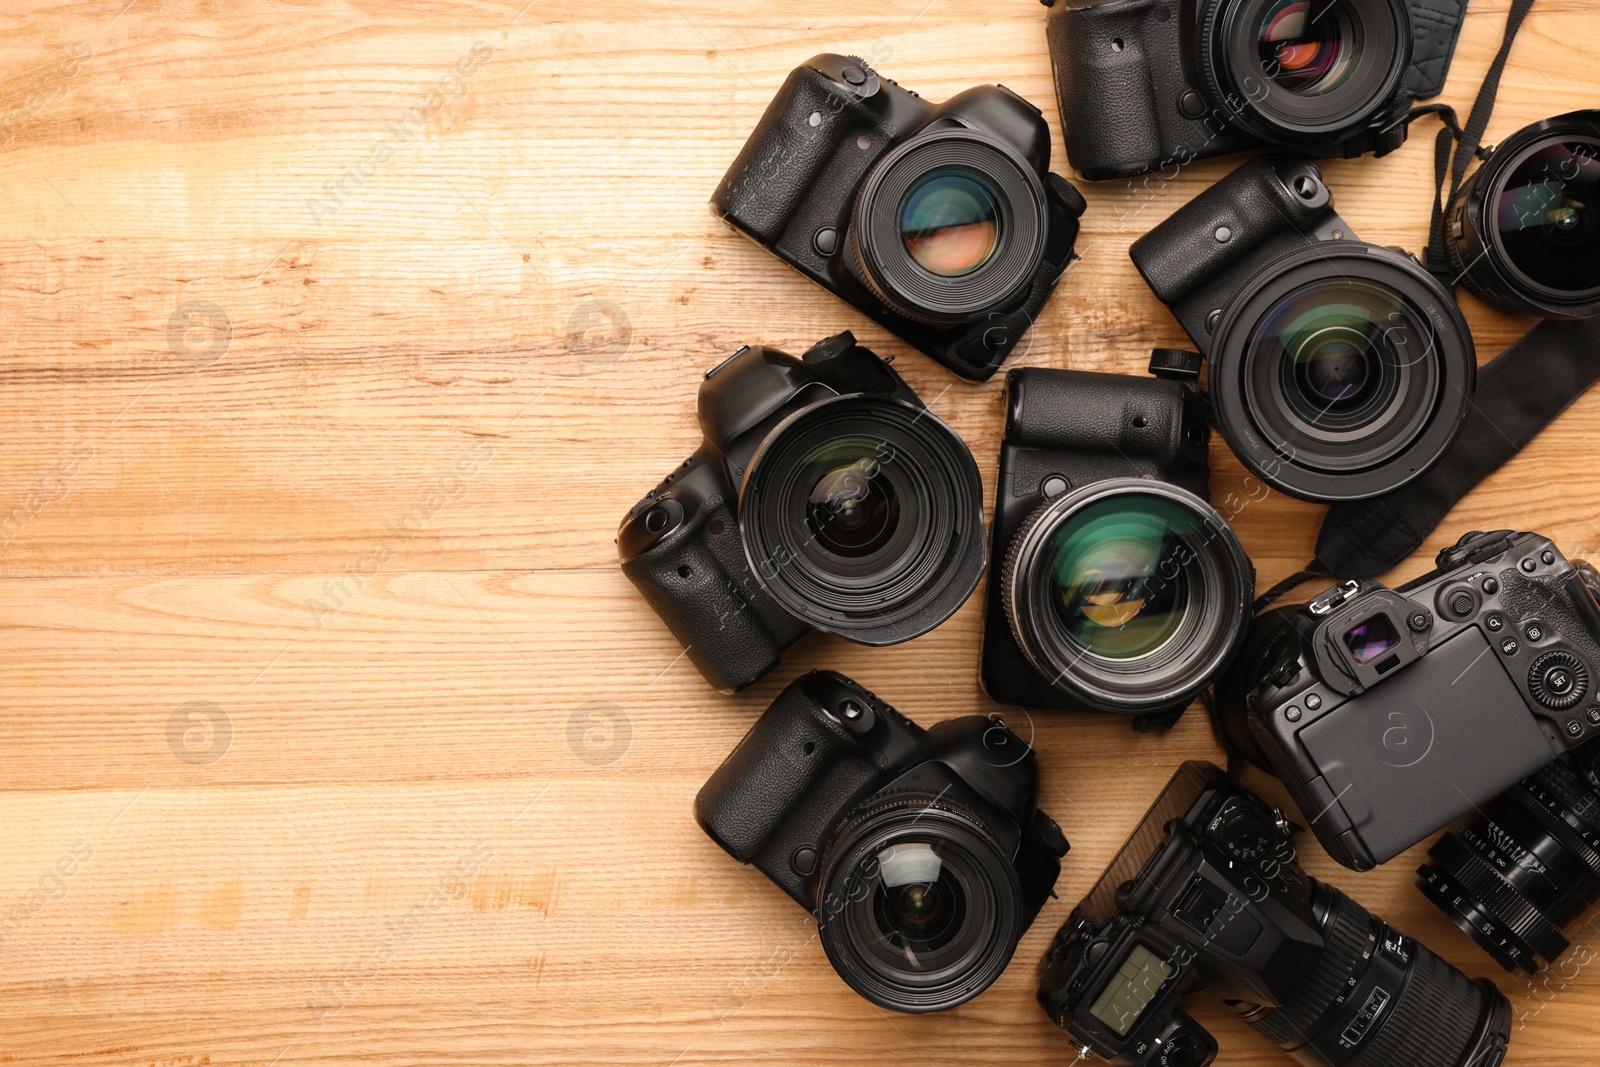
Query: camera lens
(862, 517)
(949, 226)
(1343, 374)
(1526, 227)
(919, 909)
(1307, 55)
(950, 221)
(1387, 995)
(1304, 73)
(1525, 868)
(1127, 594)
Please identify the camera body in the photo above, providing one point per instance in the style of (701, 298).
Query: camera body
(1146, 85)
(1208, 893)
(838, 137)
(829, 764)
(1066, 430)
(683, 544)
(1388, 713)
(1247, 267)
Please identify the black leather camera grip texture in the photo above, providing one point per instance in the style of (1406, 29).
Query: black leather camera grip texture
(1140, 419)
(1435, 27)
(788, 151)
(702, 587)
(1217, 229)
(1103, 85)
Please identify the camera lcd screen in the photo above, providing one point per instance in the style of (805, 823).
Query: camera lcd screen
(1371, 638)
(1131, 990)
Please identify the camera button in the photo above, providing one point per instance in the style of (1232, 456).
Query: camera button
(1292, 713)
(1494, 622)
(1593, 715)
(855, 75)
(1191, 104)
(1574, 728)
(826, 241)
(1491, 586)
(1547, 557)
(1509, 646)
(1558, 680)
(1528, 565)
(1054, 486)
(1313, 702)
(804, 860)
(1533, 631)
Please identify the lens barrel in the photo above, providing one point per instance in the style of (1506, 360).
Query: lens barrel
(1304, 73)
(862, 516)
(1128, 595)
(919, 908)
(1519, 874)
(949, 226)
(1387, 995)
(1341, 371)
(1523, 233)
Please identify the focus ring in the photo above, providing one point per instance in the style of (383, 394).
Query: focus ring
(1477, 879)
(1434, 1022)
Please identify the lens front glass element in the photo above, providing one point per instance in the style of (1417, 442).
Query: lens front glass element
(1548, 216)
(1308, 48)
(1342, 373)
(950, 221)
(1120, 572)
(852, 510)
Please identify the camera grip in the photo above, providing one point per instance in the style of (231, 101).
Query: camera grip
(788, 151)
(1068, 410)
(1104, 86)
(702, 587)
(1225, 223)
(777, 769)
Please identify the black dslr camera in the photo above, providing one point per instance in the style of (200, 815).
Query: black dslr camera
(1149, 84)
(1207, 893)
(1115, 585)
(940, 221)
(1388, 713)
(1337, 370)
(921, 852)
(824, 497)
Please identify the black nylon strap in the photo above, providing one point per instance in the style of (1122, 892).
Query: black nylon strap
(1469, 138)
(1520, 392)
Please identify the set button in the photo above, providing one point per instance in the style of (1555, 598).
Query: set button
(1559, 680)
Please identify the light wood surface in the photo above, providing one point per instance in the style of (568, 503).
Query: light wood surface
(332, 731)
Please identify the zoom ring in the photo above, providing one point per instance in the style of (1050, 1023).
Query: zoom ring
(1351, 934)
(1435, 1021)
(1469, 875)
(1547, 809)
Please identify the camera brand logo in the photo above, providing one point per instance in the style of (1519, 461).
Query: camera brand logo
(599, 332)
(200, 332)
(1404, 735)
(599, 733)
(199, 732)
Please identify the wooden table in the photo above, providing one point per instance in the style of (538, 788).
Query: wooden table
(337, 340)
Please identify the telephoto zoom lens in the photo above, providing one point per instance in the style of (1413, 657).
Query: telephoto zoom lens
(1427, 1015)
(1518, 874)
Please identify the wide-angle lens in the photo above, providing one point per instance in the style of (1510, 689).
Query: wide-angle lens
(920, 907)
(1519, 874)
(1126, 595)
(862, 516)
(1309, 48)
(950, 221)
(1548, 216)
(851, 511)
(1343, 372)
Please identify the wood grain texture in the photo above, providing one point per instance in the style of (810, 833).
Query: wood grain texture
(333, 733)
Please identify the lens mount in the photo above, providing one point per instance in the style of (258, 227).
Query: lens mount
(1342, 372)
(1524, 230)
(1304, 73)
(862, 516)
(949, 226)
(919, 908)
(1129, 595)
